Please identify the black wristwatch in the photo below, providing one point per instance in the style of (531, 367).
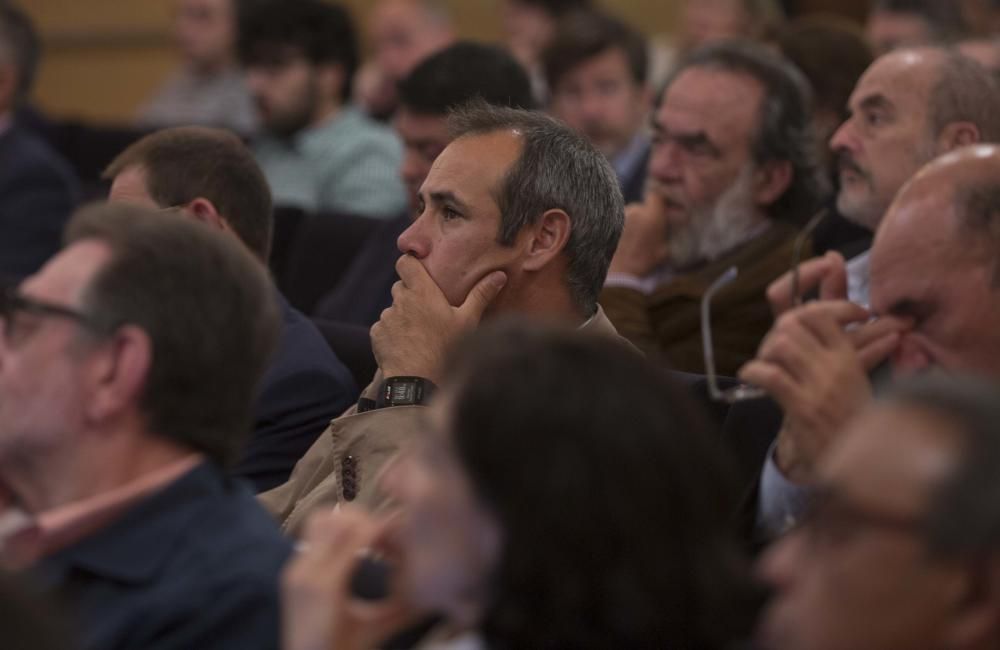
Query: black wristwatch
(404, 391)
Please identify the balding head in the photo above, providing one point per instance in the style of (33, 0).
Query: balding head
(909, 107)
(934, 260)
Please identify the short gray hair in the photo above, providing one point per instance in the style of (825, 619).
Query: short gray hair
(965, 91)
(557, 169)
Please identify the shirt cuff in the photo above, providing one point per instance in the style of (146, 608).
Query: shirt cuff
(780, 503)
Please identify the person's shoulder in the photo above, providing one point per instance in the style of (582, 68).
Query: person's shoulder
(32, 153)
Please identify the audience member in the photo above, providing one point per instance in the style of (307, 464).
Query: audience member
(121, 404)
(517, 215)
(909, 23)
(319, 152)
(211, 177)
(833, 54)
(933, 285)
(529, 26)
(733, 174)
(501, 491)
(208, 88)
(596, 68)
(403, 33)
(440, 84)
(984, 50)
(901, 547)
(37, 188)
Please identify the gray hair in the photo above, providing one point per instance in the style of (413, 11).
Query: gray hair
(557, 169)
(965, 91)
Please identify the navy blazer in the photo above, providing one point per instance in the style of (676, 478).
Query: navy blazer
(38, 192)
(304, 388)
(195, 565)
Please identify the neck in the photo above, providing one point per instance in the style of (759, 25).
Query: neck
(544, 298)
(100, 463)
(325, 111)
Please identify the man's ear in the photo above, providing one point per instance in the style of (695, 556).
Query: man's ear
(771, 180)
(119, 372)
(956, 135)
(204, 211)
(547, 239)
(975, 619)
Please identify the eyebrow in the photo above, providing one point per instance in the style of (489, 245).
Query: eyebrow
(873, 102)
(447, 196)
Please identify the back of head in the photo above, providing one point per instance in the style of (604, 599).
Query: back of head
(557, 169)
(586, 34)
(831, 52)
(463, 72)
(556, 8)
(208, 308)
(965, 91)
(186, 163)
(320, 31)
(784, 130)
(612, 494)
(19, 47)
(944, 20)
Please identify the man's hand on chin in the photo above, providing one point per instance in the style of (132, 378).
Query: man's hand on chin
(410, 338)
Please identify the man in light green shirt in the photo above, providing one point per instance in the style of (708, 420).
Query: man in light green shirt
(318, 152)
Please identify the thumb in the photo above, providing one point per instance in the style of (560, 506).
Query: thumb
(482, 295)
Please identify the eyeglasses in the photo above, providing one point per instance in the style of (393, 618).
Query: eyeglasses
(744, 391)
(13, 302)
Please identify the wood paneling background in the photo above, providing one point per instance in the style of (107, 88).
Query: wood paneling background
(103, 57)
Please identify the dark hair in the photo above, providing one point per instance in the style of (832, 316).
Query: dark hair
(185, 163)
(832, 53)
(785, 129)
(208, 307)
(462, 72)
(964, 515)
(557, 169)
(944, 19)
(18, 36)
(556, 8)
(613, 496)
(323, 32)
(965, 91)
(584, 35)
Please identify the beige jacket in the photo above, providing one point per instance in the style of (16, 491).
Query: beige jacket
(344, 462)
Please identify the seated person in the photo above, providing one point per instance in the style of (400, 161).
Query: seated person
(208, 89)
(732, 178)
(37, 188)
(318, 152)
(209, 176)
(900, 549)
(511, 524)
(126, 385)
(441, 83)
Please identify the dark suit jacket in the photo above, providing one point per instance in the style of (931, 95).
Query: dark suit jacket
(634, 185)
(366, 287)
(305, 387)
(194, 566)
(37, 194)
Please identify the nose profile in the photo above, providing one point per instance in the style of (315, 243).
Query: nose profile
(412, 241)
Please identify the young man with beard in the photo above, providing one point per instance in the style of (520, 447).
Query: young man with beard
(319, 152)
(732, 177)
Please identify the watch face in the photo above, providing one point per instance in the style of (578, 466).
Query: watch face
(403, 393)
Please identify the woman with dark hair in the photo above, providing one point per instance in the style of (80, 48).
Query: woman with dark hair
(563, 494)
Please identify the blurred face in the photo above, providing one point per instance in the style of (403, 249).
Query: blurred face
(455, 232)
(449, 540)
(42, 373)
(403, 34)
(529, 29)
(701, 158)
(857, 575)
(287, 93)
(890, 30)
(708, 21)
(600, 99)
(424, 138)
(888, 136)
(922, 271)
(205, 31)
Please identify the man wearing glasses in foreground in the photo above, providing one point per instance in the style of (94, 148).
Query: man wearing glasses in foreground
(126, 386)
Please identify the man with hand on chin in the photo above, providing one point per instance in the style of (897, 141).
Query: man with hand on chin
(518, 215)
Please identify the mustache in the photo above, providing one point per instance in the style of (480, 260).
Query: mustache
(846, 162)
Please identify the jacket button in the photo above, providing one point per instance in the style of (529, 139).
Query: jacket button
(349, 477)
